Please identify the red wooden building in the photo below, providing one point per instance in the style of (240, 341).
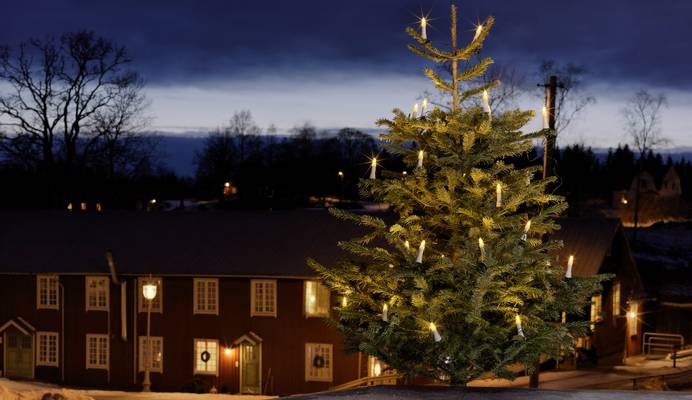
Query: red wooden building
(237, 308)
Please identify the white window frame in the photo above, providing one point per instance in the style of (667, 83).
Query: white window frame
(329, 362)
(205, 309)
(195, 356)
(318, 297)
(43, 339)
(99, 339)
(157, 344)
(596, 309)
(46, 279)
(157, 303)
(95, 291)
(253, 294)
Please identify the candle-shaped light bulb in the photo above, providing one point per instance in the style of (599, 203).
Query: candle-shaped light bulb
(479, 29)
(424, 28)
(344, 301)
(486, 102)
(420, 159)
(373, 168)
(564, 317)
(421, 249)
(407, 245)
(526, 230)
(414, 112)
(544, 112)
(436, 334)
(385, 312)
(520, 329)
(498, 193)
(424, 105)
(481, 245)
(570, 262)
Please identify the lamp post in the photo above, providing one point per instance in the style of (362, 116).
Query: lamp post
(149, 292)
(341, 177)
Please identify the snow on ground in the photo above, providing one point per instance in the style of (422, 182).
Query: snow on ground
(26, 390)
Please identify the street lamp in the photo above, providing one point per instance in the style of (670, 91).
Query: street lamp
(149, 293)
(341, 177)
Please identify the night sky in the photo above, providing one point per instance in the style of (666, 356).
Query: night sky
(345, 63)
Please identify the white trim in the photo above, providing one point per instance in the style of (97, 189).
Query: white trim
(23, 321)
(253, 289)
(97, 365)
(141, 362)
(12, 323)
(196, 307)
(308, 362)
(195, 371)
(47, 363)
(88, 291)
(47, 278)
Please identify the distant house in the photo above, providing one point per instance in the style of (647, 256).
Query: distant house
(599, 246)
(237, 308)
(655, 204)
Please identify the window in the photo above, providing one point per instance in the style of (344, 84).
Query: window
(156, 362)
(616, 299)
(596, 307)
(96, 351)
(206, 296)
(263, 298)
(157, 303)
(316, 299)
(206, 357)
(97, 298)
(47, 292)
(318, 362)
(47, 349)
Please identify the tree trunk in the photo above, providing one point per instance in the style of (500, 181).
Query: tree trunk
(535, 375)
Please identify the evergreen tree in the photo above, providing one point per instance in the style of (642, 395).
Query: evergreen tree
(461, 283)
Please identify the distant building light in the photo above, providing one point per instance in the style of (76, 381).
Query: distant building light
(227, 184)
(623, 200)
(82, 206)
(152, 201)
(341, 174)
(69, 206)
(98, 207)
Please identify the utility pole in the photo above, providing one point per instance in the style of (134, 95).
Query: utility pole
(549, 142)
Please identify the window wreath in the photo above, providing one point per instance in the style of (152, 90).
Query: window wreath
(318, 361)
(205, 356)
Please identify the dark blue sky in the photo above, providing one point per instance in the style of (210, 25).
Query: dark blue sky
(339, 63)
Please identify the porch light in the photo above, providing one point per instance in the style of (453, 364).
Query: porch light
(228, 351)
(631, 314)
(149, 291)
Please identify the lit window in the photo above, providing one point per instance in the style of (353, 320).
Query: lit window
(206, 357)
(96, 293)
(263, 298)
(318, 362)
(206, 296)
(97, 351)
(316, 299)
(616, 299)
(156, 362)
(596, 307)
(157, 303)
(47, 292)
(47, 349)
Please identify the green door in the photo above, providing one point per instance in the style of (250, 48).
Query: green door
(250, 374)
(19, 350)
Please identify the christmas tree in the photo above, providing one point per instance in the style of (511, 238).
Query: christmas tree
(461, 283)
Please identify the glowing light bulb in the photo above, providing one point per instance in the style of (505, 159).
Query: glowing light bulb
(520, 329)
(421, 249)
(479, 29)
(424, 106)
(570, 262)
(420, 158)
(481, 245)
(498, 193)
(424, 28)
(373, 168)
(436, 334)
(526, 230)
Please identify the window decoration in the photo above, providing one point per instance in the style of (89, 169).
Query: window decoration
(318, 362)
(206, 357)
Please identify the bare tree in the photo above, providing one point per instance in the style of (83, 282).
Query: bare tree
(642, 117)
(59, 91)
(570, 99)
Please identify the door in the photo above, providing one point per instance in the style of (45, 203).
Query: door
(250, 370)
(19, 354)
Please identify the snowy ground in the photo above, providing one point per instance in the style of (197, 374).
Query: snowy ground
(20, 390)
(446, 393)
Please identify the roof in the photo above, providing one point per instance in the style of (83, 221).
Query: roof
(588, 239)
(234, 243)
(224, 243)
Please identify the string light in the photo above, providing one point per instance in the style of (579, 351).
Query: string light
(385, 313)
(421, 249)
(479, 29)
(524, 236)
(570, 262)
(420, 159)
(520, 329)
(436, 334)
(498, 192)
(344, 301)
(424, 106)
(486, 103)
(481, 245)
(414, 112)
(424, 28)
(407, 245)
(373, 168)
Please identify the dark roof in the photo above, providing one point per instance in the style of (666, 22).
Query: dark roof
(248, 243)
(233, 243)
(588, 239)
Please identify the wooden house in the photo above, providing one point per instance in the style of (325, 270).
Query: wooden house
(237, 308)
